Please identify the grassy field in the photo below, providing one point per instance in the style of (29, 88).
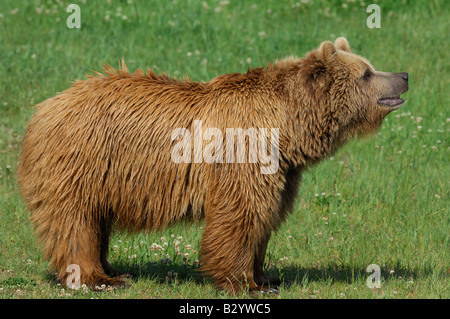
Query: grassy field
(383, 200)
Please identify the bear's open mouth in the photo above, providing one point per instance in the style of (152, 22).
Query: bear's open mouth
(393, 102)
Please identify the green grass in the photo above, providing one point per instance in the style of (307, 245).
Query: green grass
(383, 200)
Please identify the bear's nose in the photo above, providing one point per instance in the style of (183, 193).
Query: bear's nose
(404, 76)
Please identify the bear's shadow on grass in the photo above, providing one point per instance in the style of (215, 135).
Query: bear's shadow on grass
(179, 272)
(162, 272)
(295, 275)
(289, 275)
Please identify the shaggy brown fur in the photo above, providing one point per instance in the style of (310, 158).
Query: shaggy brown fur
(98, 155)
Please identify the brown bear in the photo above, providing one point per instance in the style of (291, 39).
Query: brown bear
(113, 152)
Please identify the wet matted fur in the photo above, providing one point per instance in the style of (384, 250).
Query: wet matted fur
(98, 155)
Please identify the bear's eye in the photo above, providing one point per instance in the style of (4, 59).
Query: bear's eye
(367, 75)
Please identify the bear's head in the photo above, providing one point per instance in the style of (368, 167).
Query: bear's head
(343, 93)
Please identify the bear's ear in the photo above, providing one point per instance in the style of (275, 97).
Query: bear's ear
(327, 50)
(314, 68)
(318, 63)
(342, 44)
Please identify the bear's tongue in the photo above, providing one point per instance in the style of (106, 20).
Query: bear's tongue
(391, 101)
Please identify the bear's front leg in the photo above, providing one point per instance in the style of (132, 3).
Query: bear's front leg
(242, 208)
(228, 253)
(238, 228)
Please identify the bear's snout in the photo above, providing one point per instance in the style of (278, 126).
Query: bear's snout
(395, 84)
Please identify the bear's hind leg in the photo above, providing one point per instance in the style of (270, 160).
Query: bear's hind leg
(79, 241)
